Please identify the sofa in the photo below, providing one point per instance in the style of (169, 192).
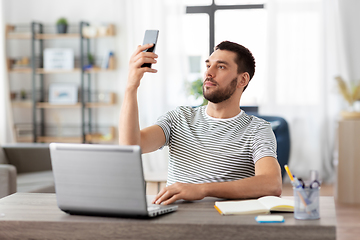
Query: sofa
(25, 167)
(7, 176)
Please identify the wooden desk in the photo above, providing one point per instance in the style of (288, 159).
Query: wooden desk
(36, 216)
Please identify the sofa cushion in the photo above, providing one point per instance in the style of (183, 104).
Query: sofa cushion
(36, 182)
(7, 180)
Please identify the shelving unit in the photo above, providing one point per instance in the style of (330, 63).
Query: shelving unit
(38, 103)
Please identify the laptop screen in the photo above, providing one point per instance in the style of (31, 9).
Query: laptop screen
(99, 179)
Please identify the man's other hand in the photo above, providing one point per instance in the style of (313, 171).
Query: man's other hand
(177, 191)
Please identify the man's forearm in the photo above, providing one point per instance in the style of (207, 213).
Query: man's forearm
(253, 187)
(266, 182)
(129, 129)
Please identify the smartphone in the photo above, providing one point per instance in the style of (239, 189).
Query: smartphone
(151, 36)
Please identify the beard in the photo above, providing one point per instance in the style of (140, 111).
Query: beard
(220, 95)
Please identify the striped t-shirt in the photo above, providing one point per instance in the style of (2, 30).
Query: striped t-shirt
(205, 149)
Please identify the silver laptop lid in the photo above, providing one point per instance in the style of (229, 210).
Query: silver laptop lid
(99, 179)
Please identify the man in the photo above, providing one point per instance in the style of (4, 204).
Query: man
(215, 150)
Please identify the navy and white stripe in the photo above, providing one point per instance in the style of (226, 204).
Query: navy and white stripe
(205, 149)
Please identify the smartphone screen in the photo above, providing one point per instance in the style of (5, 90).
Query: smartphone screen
(151, 36)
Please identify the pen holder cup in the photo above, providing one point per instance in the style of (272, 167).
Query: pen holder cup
(306, 203)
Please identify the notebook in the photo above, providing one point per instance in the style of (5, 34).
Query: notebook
(103, 180)
(256, 206)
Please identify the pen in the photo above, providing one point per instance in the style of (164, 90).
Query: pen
(296, 184)
(289, 173)
(218, 209)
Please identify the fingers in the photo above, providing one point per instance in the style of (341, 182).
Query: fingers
(171, 200)
(144, 57)
(166, 196)
(139, 58)
(159, 195)
(141, 48)
(136, 72)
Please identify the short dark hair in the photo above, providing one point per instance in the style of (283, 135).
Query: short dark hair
(244, 58)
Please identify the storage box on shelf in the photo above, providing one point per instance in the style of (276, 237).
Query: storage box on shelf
(38, 101)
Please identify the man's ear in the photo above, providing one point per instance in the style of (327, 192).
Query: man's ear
(243, 79)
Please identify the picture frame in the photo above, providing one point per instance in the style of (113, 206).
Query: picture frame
(58, 59)
(63, 93)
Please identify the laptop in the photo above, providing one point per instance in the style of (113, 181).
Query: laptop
(101, 180)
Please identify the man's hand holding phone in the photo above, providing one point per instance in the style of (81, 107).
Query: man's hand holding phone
(139, 57)
(143, 57)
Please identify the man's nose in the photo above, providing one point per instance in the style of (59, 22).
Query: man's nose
(210, 72)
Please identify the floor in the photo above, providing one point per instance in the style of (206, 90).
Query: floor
(348, 215)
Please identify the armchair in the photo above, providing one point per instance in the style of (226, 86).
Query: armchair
(282, 134)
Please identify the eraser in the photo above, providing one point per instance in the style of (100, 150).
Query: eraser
(270, 219)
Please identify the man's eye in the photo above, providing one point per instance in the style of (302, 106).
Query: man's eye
(222, 67)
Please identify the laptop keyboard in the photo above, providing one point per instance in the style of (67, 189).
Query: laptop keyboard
(153, 207)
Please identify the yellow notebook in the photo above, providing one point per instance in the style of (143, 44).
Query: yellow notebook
(256, 206)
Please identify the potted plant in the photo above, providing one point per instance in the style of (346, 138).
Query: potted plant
(195, 89)
(61, 25)
(351, 94)
(23, 94)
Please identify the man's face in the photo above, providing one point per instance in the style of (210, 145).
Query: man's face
(221, 76)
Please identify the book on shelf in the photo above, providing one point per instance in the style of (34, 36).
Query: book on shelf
(108, 61)
(262, 205)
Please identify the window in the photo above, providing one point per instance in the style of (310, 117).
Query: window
(244, 26)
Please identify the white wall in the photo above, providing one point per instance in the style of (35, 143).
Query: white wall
(349, 10)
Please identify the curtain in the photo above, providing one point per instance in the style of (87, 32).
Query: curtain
(157, 91)
(305, 54)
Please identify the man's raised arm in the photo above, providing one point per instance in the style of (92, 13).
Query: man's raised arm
(152, 137)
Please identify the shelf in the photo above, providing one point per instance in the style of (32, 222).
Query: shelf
(99, 138)
(92, 98)
(98, 105)
(48, 36)
(28, 104)
(24, 139)
(22, 104)
(94, 138)
(43, 71)
(47, 139)
(49, 105)
(98, 70)
(20, 70)
(51, 36)
(76, 105)
(18, 36)
(75, 70)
